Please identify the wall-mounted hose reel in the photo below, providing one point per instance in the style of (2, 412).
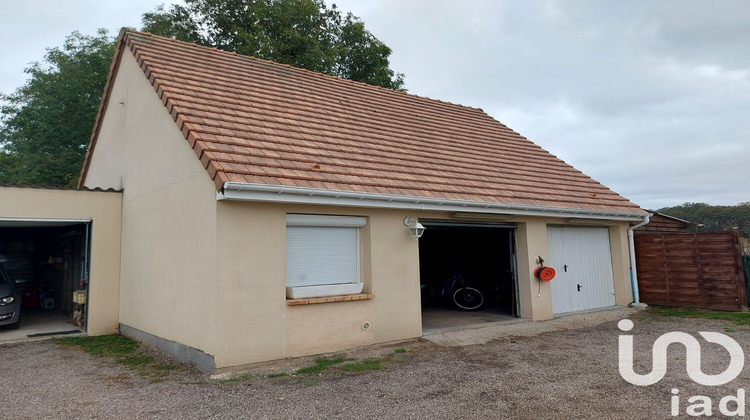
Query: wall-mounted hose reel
(544, 273)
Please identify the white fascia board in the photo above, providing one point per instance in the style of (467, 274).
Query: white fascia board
(300, 195)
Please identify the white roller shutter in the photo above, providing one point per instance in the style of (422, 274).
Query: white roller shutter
(318, 255)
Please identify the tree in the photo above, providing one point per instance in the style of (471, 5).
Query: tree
(46, 124)
(301, 33)
(714, 218)
(177, 23)
(362, 57)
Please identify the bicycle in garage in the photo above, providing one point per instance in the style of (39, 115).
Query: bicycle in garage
(455, 289)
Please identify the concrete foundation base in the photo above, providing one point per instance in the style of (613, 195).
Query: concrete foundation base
(179, 351)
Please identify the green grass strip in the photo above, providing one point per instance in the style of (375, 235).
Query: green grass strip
(123, 350)
(364, 365)
(320, 365)
(738, 318)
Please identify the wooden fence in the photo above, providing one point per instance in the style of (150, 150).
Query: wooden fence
(694, 270)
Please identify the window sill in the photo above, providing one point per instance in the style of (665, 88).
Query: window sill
(329, 299)
(323, 290)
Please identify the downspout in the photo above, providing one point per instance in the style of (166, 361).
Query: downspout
(633, 271)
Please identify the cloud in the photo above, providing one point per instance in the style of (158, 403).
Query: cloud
(649, 98)
(28, 28)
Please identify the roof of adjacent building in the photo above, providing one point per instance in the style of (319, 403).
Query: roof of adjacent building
(661, 222)
(656, 213)
(258, 122)
(57, 187)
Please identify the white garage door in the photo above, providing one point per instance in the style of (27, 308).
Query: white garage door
(583, 261)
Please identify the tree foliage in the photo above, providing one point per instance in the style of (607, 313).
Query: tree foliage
(301, 33)
(714, 218)
(47, 123)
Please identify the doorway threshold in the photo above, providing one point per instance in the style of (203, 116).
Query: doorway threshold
(486, 332)
(440, 320)
(508, 320)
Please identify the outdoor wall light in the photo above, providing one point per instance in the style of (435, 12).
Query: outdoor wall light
(416, 229)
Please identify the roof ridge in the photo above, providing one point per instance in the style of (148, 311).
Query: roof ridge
(128, 32)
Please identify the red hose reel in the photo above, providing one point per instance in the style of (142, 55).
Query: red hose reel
(542, 272)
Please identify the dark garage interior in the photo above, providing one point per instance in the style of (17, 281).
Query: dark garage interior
(46, 262)
(454, 256)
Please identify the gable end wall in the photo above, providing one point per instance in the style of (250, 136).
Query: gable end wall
(168, 214)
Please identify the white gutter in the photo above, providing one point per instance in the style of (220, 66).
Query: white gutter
(300, 195)
(633, 271)
(42, 220)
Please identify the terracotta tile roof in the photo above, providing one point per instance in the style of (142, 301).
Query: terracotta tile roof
(255, 121)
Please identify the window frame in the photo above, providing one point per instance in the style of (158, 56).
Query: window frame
(326, 221)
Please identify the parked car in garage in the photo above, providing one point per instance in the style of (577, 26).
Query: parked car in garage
(10, 301)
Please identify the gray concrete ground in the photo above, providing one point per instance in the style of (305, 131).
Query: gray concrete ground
(38, 321)
(483, 333)
(437, 319)
(569, 371)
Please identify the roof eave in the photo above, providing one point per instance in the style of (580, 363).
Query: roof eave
(113, 67)
(671, 217)
(299, 195)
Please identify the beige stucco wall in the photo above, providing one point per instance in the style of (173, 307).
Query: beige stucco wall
(102, 209)
(618, 242)
(254, 323)
(531, 243)
(168, 214)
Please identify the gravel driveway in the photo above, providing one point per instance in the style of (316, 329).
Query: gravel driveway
(563, 374)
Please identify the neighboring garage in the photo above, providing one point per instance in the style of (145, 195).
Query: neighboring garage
(47, 262)
(467, 273)
(60, 250)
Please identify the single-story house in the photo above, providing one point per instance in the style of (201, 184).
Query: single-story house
(271, 212)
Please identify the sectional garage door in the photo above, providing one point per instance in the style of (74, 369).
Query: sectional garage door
(583, 261)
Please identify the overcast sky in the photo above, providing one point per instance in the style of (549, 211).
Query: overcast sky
(651, 98)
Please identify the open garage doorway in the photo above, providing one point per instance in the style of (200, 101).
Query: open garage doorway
(467, 274)
(45, 266)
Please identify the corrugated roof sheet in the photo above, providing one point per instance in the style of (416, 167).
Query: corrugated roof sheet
(57, 187)
(255, 121)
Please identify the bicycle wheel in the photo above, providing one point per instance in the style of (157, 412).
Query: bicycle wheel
(468, 299)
